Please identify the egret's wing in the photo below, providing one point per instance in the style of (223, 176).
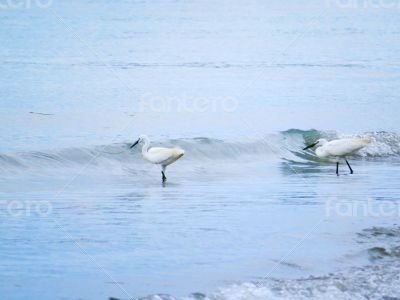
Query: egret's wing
(345, 146)
(158, 155)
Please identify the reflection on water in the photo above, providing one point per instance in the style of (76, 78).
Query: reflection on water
(290, 167)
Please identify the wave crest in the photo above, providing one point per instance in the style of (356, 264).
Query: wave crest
(284, 145)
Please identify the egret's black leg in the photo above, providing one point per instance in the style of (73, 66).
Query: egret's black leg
(337, 168)
(163, 177)
(351, 170)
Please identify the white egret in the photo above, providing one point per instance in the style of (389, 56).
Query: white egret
(158, 155)
(339, 149)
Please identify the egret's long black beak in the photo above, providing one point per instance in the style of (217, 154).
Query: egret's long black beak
(134, 144)
(310, 146)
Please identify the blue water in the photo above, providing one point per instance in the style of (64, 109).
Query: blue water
(245, 214)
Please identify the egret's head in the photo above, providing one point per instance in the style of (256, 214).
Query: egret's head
(322, 142)
(319, 142)
(142, 138)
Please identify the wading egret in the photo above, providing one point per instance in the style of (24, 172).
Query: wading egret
(339, 149)
(157, 155)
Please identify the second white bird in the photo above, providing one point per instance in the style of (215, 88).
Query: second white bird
(339, 149)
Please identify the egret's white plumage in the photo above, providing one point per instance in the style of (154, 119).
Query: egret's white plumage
(339, 149)
(158, 155)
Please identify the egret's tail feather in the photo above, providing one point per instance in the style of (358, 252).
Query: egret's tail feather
(366, 140)
(180, 152)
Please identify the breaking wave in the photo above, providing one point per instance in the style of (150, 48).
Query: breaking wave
(284, 145)
(379, 280)
(375, 282)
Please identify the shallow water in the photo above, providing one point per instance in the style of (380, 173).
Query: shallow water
(245, 214)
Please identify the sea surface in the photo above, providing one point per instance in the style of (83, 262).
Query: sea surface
(242, 87)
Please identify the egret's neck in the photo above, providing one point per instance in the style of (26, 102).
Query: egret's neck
(321, 152)
(145, 148)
